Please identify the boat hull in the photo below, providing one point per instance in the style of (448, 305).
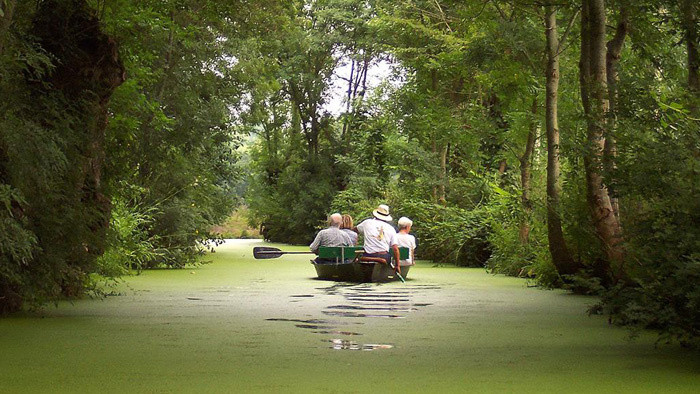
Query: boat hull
(358, 272)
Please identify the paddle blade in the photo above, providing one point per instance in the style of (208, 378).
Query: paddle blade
(396, 272)
(400, 277)
(265, 252)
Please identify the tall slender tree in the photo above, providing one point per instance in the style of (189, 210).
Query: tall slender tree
(526, 174)
(612, 58)
(689, 15)
(557, 244)
(596, 107)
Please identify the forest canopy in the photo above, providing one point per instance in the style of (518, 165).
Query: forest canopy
(557, 141)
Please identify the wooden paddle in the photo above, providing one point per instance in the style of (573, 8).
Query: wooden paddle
(266, 252)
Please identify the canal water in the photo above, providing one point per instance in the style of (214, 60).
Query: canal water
(242, 325)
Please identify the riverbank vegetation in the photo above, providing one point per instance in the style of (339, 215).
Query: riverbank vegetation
(557, 141)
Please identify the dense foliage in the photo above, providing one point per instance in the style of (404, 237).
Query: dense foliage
(455, 139)
(85, 199)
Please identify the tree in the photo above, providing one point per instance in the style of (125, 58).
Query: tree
(52, 159)
(612, 58)
(594, 95)
(7, 11)
(557, 244)
(689, 14)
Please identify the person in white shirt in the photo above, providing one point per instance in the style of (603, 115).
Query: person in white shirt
(404, 239)
(379, 235)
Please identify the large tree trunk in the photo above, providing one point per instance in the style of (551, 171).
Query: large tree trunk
(689, 11)
(526, 175)
(557, 244)
(87, 71)
(595, 97)
(614, 49)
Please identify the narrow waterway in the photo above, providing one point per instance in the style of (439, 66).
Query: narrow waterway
(241, 325)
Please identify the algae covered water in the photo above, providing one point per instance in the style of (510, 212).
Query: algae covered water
(241, 325)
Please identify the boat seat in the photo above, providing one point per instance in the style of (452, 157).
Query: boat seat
(403, 254)
(339, 253)
(343, 253)
(373, 259)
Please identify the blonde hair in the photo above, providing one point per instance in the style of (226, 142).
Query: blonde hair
(347, 222)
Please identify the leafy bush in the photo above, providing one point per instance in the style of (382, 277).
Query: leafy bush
(17, 248)
(130, 246)
(661, 214)
(297, 206)
(449, 234)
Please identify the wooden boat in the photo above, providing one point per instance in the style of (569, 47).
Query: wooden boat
(345, 263)
(342, 264)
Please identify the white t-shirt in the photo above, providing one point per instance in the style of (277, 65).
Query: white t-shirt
(408, 241)
(379, 235)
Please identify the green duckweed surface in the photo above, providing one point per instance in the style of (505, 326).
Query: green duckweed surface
(241, 325)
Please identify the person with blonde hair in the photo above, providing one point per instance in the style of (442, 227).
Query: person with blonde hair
(347, 228)
(403, 238)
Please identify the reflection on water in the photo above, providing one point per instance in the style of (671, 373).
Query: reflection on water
(396, 308)
(363, 301)
(344, 344)
(313, 321)
(336, 332)
(314, 326)
(355, 314)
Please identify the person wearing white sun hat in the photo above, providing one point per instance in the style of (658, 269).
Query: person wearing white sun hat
(379, 235)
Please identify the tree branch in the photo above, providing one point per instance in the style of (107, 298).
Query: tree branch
(566, 32)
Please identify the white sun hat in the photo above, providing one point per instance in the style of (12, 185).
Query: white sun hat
(382, 213)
